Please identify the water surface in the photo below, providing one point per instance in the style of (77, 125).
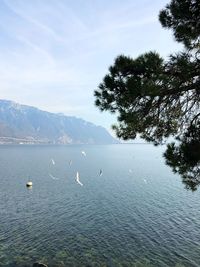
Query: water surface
(136, 214)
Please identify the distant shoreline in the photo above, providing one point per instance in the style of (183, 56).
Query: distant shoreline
(57, 144)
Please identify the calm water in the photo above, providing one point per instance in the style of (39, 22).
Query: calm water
(136, 214)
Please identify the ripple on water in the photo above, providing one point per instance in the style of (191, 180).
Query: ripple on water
(113, 220)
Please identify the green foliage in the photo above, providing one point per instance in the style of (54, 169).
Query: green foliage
(183, 17)
(154, 98)
(184, 158)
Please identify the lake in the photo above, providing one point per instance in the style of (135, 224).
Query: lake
(137, 213)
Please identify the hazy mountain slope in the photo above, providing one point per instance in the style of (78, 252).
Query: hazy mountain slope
(20, 123)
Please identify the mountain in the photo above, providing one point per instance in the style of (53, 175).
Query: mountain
(25, 124)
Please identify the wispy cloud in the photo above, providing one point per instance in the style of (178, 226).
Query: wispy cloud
(37, 49)
(53, 54)
(26, 17)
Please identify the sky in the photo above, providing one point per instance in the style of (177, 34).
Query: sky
(54, 53)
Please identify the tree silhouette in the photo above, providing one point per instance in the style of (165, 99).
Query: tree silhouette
(156, 99)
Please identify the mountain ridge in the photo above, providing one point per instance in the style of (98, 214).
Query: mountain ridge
(28, 124)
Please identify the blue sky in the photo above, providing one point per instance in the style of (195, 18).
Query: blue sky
(54, 53)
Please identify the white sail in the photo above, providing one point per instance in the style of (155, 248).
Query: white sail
(77, 179)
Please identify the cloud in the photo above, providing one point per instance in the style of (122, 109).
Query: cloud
(53, 54)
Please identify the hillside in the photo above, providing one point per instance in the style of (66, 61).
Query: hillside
(25, 124)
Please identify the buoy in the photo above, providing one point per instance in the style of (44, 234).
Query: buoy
(29, 184)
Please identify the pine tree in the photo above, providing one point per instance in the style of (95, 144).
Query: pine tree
(156, 98)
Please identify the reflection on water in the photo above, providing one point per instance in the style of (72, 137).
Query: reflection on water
(120, 218)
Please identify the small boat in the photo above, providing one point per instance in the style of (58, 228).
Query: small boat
(29, 184)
